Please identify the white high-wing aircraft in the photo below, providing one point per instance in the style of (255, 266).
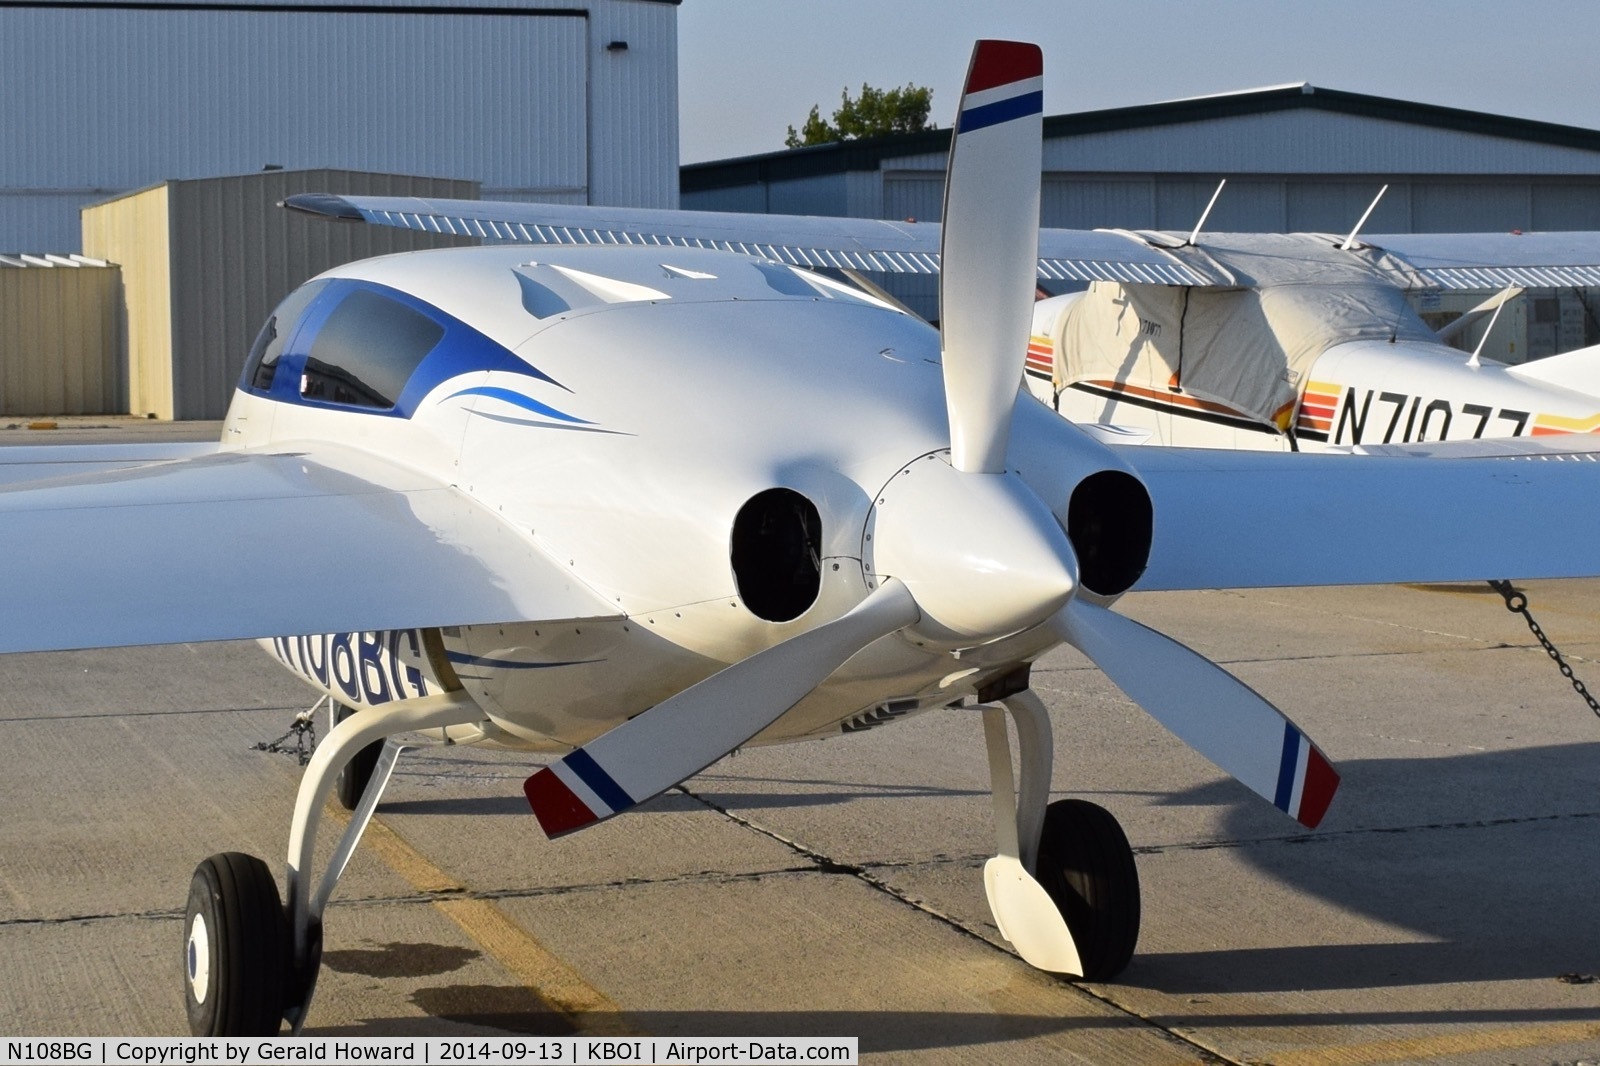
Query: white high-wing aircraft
(1303, 343)
(637, 507)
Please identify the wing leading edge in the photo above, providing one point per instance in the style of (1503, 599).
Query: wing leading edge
(800, 240)
(238, 545)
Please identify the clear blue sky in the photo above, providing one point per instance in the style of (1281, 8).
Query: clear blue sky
(749, 68)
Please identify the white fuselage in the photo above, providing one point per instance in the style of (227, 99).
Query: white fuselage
(1357, 392)
(637, 401)
(1362, 392)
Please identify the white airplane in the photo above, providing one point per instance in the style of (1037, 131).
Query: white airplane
(637, 507)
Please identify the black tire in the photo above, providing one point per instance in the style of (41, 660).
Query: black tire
(1086, 866)
(236, 958)
(352, 780)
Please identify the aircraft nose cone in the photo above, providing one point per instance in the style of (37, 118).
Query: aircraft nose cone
(981, 553)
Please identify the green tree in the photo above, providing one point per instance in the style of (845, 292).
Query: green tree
(874, 113)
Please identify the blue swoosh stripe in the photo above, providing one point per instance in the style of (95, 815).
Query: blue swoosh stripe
(517, 399)
(977, 118)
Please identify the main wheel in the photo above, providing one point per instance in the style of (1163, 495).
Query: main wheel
(237, 956)
(353, 779)
(1086, 867)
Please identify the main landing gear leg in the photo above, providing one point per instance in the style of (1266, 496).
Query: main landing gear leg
(251, 962)
(1062, 886)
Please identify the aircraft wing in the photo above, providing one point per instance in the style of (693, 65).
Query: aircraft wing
(1495, 260)
(233, 545)
(1228, 519)
(802, 240)
(1446, 260)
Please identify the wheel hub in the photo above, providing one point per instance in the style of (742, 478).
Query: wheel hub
(199, 959)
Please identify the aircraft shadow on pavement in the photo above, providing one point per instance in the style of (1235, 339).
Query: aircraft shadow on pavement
(1485, 856)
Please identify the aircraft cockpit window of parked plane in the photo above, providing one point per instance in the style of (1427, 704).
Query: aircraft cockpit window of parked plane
(354, 345)
(366, 350)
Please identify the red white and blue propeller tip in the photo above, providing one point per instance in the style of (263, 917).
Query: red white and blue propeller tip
(574, 792)
(1306, 780)
(1005, 82)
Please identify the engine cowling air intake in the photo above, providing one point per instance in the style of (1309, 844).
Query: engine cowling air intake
(776, 553)
(1110, 523)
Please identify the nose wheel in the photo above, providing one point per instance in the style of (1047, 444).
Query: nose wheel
(237, 952)
(1062, 886)
(1086, 867)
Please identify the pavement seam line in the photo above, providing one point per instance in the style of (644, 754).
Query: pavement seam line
(550, 977)
(490, 894)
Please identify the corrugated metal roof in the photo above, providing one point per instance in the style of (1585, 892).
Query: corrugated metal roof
(25, 259)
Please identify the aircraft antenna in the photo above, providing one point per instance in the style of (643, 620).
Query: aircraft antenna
(1473, 362)
(1195, 233)
(1349, 242)
(1459, 326)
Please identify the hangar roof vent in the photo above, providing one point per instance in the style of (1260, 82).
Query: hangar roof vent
(26, 259)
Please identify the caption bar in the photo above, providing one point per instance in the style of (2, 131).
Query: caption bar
(434, 1051)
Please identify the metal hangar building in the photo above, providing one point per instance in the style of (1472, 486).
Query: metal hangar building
(1296, 158)
(571, 101)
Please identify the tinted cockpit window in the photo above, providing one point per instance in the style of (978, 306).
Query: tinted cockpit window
(264, 353)
(366, 350)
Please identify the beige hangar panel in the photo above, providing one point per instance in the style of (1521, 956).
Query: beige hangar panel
(206, 261)
(59, 319)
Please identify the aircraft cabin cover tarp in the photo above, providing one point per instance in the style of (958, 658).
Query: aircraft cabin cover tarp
(1247, 349)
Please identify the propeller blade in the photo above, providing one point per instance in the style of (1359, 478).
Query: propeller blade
(989, 248)
(1208, 708)
(682, 735)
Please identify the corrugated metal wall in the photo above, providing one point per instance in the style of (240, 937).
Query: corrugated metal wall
(58, 340)
(115, 98)
(1276, 203)
(633, 105)
(207, 261)
(1299, 169)
(1310, 142)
